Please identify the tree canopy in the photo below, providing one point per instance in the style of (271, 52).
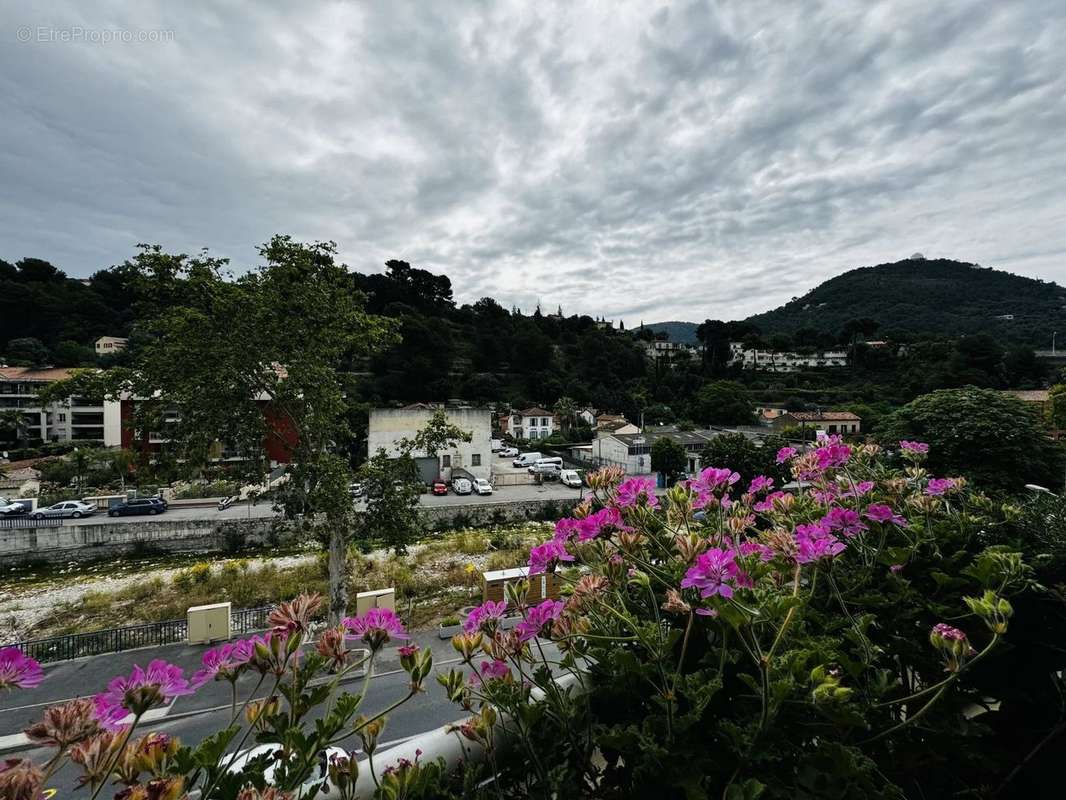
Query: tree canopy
(995, 438)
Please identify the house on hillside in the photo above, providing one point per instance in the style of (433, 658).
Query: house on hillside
(389, 426)
(532, 423)
(614, 423)
(784, 361)
(108, 345)
(767, 414)
(586, 416)
(828, 422)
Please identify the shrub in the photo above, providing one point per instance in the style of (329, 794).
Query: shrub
(200, 573)
(832, 643)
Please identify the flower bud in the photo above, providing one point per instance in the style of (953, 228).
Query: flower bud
(466, 644)
(258, 712)
(369, 732)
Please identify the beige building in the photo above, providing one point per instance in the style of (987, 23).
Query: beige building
(389, 426)
(107, 345)
(828, 422)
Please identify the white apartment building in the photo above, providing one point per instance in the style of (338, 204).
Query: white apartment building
(72, 419)
(532, 424)
(388, 426)
(784, 361)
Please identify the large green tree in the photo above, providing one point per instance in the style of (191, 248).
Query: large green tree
(255, 359)
(994, 438)
(668, 457)
(722, 403)
(747, 457)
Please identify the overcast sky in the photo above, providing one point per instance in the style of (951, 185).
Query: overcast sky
(643, 161)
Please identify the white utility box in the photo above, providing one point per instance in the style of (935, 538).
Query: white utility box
(378, 598)
(208, 623)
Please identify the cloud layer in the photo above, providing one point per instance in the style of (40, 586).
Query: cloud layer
(682, 161)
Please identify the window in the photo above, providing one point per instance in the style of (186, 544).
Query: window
(475, 459)
(62, 417)
(544, 422)
(446, 461)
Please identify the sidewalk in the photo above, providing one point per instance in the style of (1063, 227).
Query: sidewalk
(66, 680)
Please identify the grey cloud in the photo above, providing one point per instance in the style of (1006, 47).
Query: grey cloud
(687, 160)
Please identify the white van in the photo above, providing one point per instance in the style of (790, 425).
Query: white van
(527, 460)
(546, 466)
(571, 478)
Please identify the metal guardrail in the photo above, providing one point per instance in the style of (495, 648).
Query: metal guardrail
(130, 637)
(22, 523)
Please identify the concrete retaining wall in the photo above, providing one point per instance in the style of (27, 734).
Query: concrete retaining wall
(91, 542)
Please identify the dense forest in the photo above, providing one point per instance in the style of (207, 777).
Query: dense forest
(483, 352)
(918, 298)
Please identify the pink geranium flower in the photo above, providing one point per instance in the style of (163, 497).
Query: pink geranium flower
(635, 491)
(785, 453)
(845, 520)
(485, 617)
(914, 447)
(940, 486)
(490, 670)
(879, 512)
(859, 489)
(377, 627)
(544, 557)
(19, 670)
(833, 454)
(815, 543)
(566, 529)
(538, 619)
(760, 483)
(714, 573)
(223, 662)
(145, 688)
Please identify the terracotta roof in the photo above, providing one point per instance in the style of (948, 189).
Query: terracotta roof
(824, 416)
(536, 411)
(46, 375)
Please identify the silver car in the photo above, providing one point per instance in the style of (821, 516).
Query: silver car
(75, 509)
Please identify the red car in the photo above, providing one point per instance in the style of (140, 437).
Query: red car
(440, 487)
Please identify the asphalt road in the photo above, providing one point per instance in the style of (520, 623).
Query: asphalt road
(546, 491)
(199, 715)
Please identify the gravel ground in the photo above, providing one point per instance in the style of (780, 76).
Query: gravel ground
(27, 602)
(27, 598)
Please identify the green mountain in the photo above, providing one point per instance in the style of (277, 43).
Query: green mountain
(928, 297)
(684, 332)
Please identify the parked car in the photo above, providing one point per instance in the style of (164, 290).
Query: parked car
(527, 460)
(139, 505)
(509, 452)
(356, 489)
(462, 486)
(75, 509)
(13, 508)
(482, 486)
(439, 487)
(319, 779)
(571, 478)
